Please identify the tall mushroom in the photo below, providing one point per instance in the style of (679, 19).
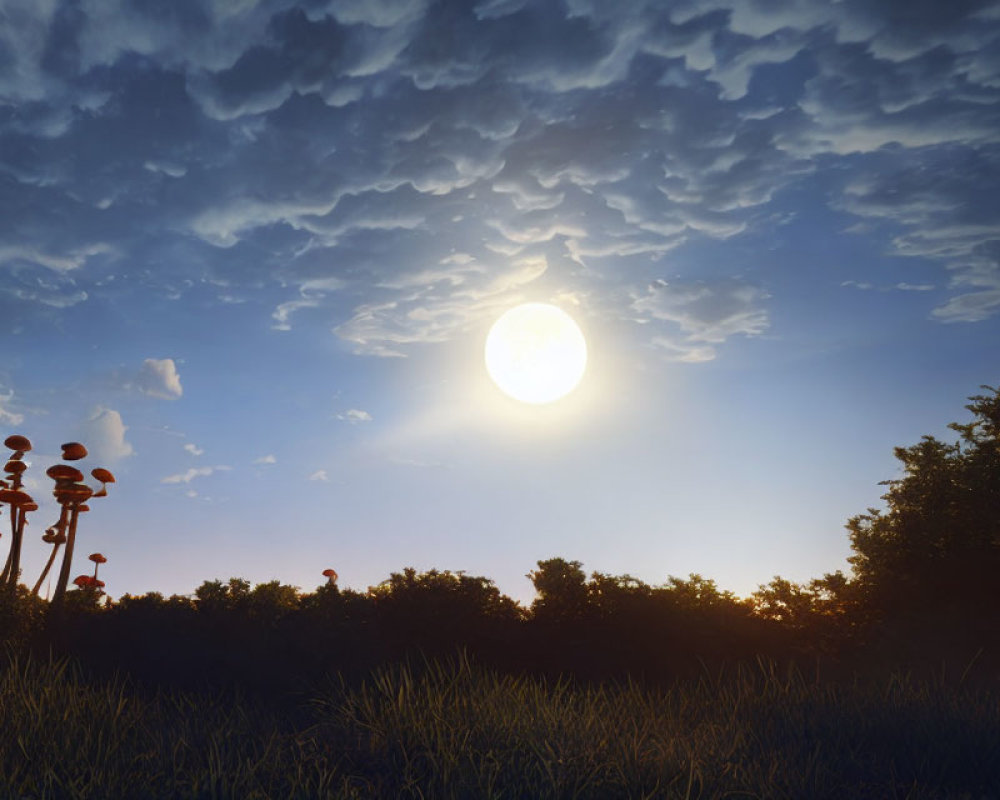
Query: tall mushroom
(20, 503)
(17, 501)
(331, 576)
(71, 496)
(98, 559)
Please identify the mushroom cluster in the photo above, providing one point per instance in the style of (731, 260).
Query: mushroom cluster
(72, 495)
(21, 504)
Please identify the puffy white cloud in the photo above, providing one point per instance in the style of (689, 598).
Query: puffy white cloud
(105, 435)
(268, 459)
(159, 378)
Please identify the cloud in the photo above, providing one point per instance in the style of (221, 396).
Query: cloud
(193, 449)
(8, 417)
(358, 145)
(105, 435)
(319, 475)
(192, 473)
(706, 313)
(972, 307)
(354, 416)
(158, 378)
(268, 459)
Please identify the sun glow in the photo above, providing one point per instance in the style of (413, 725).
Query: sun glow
(536, 353)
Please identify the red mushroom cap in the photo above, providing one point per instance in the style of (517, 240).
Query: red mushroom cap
(102, 475)
(64, 472)
(73, 451)
(83, 507)
(97, 582)
(15, 467)
(17, 442)
(73, 493)
(97, 558)
(82, 580)
(29, 507)
(330, 573)
(15, 497)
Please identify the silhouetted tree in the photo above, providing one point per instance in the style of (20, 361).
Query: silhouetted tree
(438, 610)
(934, 553)
(562, 590)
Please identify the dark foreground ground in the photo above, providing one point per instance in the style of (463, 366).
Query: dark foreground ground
(452, 729)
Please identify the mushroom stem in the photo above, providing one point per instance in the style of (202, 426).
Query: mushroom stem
(7, 567)
(61, 527)
(67, 561)
(48, 566)
(15, 548)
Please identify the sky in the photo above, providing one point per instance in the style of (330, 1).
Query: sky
(250, 253)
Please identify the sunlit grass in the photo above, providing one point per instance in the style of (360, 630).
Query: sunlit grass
(455, 730)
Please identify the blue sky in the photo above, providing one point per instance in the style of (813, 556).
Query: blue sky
(250, 252)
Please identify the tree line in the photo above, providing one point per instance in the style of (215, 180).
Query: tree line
(923, 587)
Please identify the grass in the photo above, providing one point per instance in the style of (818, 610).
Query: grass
(455, 730)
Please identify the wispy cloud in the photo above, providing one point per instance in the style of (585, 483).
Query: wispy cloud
(703, 314)
(193, 449)
(194, 472)
(268, 459)
(8, 417)
(354, 416)
(319, 475)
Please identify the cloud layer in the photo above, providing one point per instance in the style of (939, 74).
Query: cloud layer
(398, 171)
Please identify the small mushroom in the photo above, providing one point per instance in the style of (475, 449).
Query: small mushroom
(18, 443)
(73, 451)
(83, 581)
(330, 575)
(105, 477)
(64, 472)
(98, 559)
(15, 467)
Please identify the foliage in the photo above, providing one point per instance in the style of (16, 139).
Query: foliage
(934, 553)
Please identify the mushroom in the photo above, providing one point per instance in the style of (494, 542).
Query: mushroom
(98, 559)
(20, 503)
(73, 451)
(56, 536)
(64, 472)
(21, 444)
(330, 575)
(72, 497)
(105, 477)
(15, 467)
(83, 581)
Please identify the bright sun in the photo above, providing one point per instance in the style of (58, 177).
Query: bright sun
(536, 353)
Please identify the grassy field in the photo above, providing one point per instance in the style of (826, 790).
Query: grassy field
(455, 730)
